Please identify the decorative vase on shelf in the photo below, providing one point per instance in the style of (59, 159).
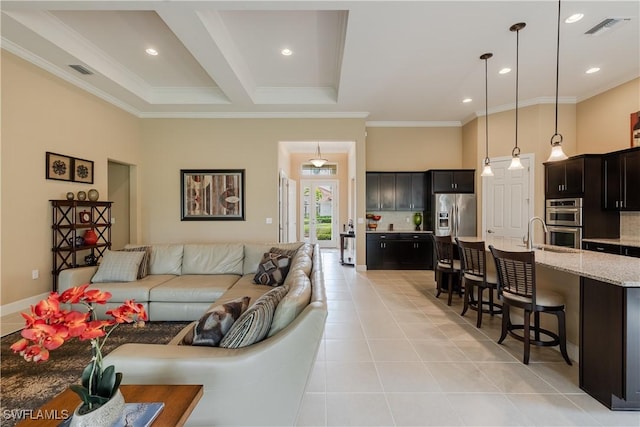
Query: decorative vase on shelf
(82, 196)
(70, 195)
(90, 237)
(105, 415)
(417, 220)
(93, 195)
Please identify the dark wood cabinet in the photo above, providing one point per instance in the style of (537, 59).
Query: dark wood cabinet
(399, 251)
(381, 191)
(632, 251)
(606, 248)
(451, 181)
(610, 343)
(409, 191)
(621, 180)
(564, 178)
(70, 221)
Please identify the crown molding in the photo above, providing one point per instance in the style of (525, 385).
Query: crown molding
(412, 124)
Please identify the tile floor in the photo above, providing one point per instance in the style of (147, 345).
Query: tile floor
(394, 355)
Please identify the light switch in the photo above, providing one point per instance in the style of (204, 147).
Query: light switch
(269, 220)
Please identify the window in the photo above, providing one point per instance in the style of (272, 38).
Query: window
(328, 169)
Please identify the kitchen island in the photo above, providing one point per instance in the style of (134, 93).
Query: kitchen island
(602, 298)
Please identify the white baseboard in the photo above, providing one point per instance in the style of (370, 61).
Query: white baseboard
(22, 305)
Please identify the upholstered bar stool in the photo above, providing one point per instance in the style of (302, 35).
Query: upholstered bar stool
(473, 257)
(517, 279)
(446, 265)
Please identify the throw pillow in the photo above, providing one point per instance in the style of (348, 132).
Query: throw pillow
(118, 266)
(215, 323)
(283, 251)
(254, 323)
(143, 270)
(273, 269)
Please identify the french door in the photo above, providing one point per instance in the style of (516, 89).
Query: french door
(318, 212)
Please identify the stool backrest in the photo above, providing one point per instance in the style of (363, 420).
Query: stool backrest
(516, 272)
(444, 249)
(473, 257)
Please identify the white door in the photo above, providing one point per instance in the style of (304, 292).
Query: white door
(318, 212)
(507, 198)
(292, 223)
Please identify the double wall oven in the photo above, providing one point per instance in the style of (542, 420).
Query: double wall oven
(564, 221)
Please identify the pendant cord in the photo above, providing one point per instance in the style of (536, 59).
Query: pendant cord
(517, 72)
(557, 66)
(486, 107)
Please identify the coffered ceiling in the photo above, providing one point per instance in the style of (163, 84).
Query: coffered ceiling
(386, 61)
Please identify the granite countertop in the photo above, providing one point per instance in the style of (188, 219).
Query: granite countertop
(621, 242)
(615, 269)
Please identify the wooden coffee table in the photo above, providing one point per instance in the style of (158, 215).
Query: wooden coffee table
(179, 401)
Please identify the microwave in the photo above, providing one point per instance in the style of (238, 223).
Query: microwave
(566, 212)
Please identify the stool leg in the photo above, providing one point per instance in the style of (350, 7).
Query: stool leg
(491, 300)
(506, 322)
(450, 283)
(479, 319)
(562, 334)
(536, 329)
(438, 282)
(527, 336)
(467, 288)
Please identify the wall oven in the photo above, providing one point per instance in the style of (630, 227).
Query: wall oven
(566, 212)
(564, 236)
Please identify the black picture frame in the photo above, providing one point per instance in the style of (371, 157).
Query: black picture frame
(212, 194)
(82, 171)
(59, 167)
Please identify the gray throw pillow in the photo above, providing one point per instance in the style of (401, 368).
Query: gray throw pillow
(253, 326)
(118, 266)
(143, 269)
(272, 269)
(215, 323)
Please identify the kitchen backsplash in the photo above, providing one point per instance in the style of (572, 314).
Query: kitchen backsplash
(401, 220)
(630, 225)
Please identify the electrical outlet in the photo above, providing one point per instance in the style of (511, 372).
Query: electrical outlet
(269, 220)
(35, 274)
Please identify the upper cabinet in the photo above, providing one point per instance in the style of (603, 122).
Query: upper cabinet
(409, 191)
(395, 191)
(564, 178)
(621, 180)
(451, 180)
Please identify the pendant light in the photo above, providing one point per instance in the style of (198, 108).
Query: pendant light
(556, 139)
(515, 153)
(318, 161)
(487, 162)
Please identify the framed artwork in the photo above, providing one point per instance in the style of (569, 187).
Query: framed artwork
(83, 171)
(635, 129)
(59, 167)
(212, 194)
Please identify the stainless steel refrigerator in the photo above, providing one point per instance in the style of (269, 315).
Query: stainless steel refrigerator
(454, 214)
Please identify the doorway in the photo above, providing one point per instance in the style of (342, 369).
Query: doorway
(507, 200)
(288, 213)
(318, 212)
(119, 192)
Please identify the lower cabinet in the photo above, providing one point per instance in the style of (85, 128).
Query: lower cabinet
(610, 343)
(399, 251)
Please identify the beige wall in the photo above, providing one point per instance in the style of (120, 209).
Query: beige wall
(603, 120)
(174, 144)
(42, 113)
(413, 148)
(471, 144)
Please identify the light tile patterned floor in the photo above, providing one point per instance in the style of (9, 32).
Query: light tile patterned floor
(394, 355)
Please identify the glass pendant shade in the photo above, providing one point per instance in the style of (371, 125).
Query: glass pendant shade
(515, 163)
(557, 154)
(318, 161)
(487, 168)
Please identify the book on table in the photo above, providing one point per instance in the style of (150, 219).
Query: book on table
(133, 415)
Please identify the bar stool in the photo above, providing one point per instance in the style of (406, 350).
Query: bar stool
(473, 257)
(446, 265)
(517, 279)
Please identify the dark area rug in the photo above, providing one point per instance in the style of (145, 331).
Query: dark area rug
(27, 385)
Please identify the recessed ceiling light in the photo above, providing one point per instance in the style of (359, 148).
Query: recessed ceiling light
(467, 100)
(592, 70)
(574, 18)
(505, 70)
(286, 52)
(151, 51)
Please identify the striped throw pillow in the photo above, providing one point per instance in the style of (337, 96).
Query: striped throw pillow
(143, 269)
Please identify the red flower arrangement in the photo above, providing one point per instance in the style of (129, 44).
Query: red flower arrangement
(48, 326)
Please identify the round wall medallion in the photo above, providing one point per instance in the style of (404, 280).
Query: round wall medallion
(93, 194)
(82, 195)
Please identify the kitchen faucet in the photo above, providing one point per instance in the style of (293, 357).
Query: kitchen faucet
(529, 235)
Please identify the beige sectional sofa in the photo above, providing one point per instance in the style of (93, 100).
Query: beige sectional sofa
(260, 384)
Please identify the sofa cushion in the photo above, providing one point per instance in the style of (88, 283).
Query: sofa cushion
(254, 323)
(143, 269)
(137, 290)
(215, 323)
(215, 258)
(117, 266)
(273, 269)
(293, 303)
(193, 288)
(253, 253)
(243, 287)
(166, 259)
